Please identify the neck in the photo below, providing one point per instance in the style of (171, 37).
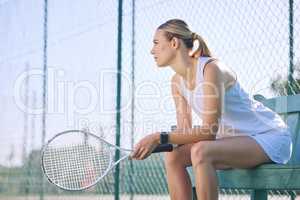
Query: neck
(185, 66)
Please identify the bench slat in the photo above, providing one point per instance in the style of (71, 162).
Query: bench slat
(261, 178)
(283, 104)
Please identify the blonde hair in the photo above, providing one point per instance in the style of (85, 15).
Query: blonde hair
(179, 29)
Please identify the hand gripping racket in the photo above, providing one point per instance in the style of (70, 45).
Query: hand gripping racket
(77, 160)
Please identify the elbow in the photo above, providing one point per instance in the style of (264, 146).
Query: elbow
(211, 130)
(212, 137)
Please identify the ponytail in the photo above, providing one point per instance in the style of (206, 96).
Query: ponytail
(199, 45)
(178, 28)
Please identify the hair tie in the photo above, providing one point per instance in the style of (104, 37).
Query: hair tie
(194, 36)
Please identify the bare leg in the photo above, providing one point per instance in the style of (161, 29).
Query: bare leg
(207, 156)
(179, 183)
(206, 181)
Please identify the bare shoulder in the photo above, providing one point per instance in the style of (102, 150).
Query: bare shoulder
(175, 78)
(218, 70)
(212, 69)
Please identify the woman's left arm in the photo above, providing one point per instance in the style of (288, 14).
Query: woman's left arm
(213, 91)
(212, 88)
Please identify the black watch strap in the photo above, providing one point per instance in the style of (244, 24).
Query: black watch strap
(164, 138)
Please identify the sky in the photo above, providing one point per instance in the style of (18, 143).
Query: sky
(251, 37)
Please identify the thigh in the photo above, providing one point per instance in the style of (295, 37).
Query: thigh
(237, 152)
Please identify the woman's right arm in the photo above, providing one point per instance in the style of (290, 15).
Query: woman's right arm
(183, 110)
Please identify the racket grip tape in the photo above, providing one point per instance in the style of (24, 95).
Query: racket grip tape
(163, 148)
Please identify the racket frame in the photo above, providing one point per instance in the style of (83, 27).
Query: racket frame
(111, 165)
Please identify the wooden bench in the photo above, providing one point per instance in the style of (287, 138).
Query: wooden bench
(269, 176)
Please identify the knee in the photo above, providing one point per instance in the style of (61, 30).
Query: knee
(200, 153)
(172, 159)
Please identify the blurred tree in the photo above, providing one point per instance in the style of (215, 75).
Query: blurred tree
(280, 85)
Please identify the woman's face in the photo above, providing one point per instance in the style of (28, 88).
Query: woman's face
(162, 49)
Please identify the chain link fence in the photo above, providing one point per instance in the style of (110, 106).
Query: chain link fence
(259, 40)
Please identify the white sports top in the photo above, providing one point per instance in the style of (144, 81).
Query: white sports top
(240, 113)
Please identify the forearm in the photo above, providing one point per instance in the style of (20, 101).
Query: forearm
(188, 136)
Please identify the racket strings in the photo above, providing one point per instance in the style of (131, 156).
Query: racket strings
(76, 166)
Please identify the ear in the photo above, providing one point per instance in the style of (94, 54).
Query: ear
(175, 43)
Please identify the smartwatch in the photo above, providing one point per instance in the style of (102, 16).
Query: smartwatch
(164, 138)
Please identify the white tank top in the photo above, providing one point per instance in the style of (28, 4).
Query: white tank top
(240, 113)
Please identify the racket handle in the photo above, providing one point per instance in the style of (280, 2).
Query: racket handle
(163, 148)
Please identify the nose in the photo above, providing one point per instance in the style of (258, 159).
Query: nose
(152, 51)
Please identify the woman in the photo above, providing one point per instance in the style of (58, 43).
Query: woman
(236, 131)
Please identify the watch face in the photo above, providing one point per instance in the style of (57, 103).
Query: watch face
(164, 137)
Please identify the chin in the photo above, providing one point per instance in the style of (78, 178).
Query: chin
(161, 64)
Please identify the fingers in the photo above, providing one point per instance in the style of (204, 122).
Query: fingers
(136, 153)
(144, 148)
(145, 154)
(140, 153)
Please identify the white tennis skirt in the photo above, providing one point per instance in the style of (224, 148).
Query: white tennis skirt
(277, 144)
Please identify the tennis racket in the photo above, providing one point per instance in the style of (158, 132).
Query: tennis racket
(77, 159)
